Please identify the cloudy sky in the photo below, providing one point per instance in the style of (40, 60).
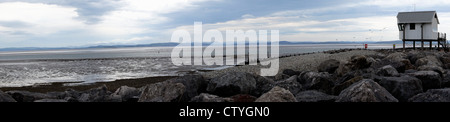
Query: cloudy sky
(72, 23)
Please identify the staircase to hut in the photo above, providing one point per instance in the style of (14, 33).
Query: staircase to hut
(442, 40)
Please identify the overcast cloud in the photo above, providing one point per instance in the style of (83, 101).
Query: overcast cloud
(71, 23)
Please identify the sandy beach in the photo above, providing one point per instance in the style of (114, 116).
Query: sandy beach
(301, 62)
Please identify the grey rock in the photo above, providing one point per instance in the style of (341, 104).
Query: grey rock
(338, 88)
(195, 84)
(432, 95)
(408, 64)
(317, 81)
(429, 60)
(446, 80)
(387, 70)
(314, 96)
(403, 87)
(5, 97)
(290, 72)
(72, 93)
(344, 68)
(205, 97)
(290, 84)
(51, 100)
(421, 61)
(232, 83)
(357, 62)
(360, 62)
(344, 78)
(371, 60)
(414, 56)
(396, 57)
(263, 85)
(126, 94)
(100, 94)
(398, 65)
(430, 79)
(445, 62)
(410, 71)
(57, 95)
(329, 66)
(243, 98)
(162, 92)
(277, 94)
(435, 68)
(365, 90)
(26, 96)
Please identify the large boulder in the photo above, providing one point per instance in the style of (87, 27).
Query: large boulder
(314, 96)
(356, 62)
(317, 81)
(5, 97)
(344, 68)
(232, 83)
(360, 62)
(446, 80)
(400, 66)
(430, 79)
(328, 66)
(205, 97)
(365, 90)
(127, 94)
(263, 85)
(290, 84)
(429, 60)
(162, 92)
(445, 62)
(338, 88)
(290, 72)
(396, 57)
(403, 87)
(408, 64)
(277, 94)
(435, 68)
(70, 95)
(432, 95)
(387, 70)
(100, 94)
(51, 100)
(26, 96)
(195, 84)
(413, 56)
(243, 98)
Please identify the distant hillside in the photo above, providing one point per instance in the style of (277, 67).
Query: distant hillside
(172, 44)
(169, 44)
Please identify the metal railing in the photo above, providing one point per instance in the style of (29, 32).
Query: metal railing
(442, 35)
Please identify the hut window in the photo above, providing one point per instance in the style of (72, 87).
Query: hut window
(412, 26)
(401, 27)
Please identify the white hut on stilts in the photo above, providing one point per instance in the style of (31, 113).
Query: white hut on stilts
(420, 26)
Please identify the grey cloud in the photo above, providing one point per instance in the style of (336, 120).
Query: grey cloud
(14, 24)
(16, 33)
(89, 11)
